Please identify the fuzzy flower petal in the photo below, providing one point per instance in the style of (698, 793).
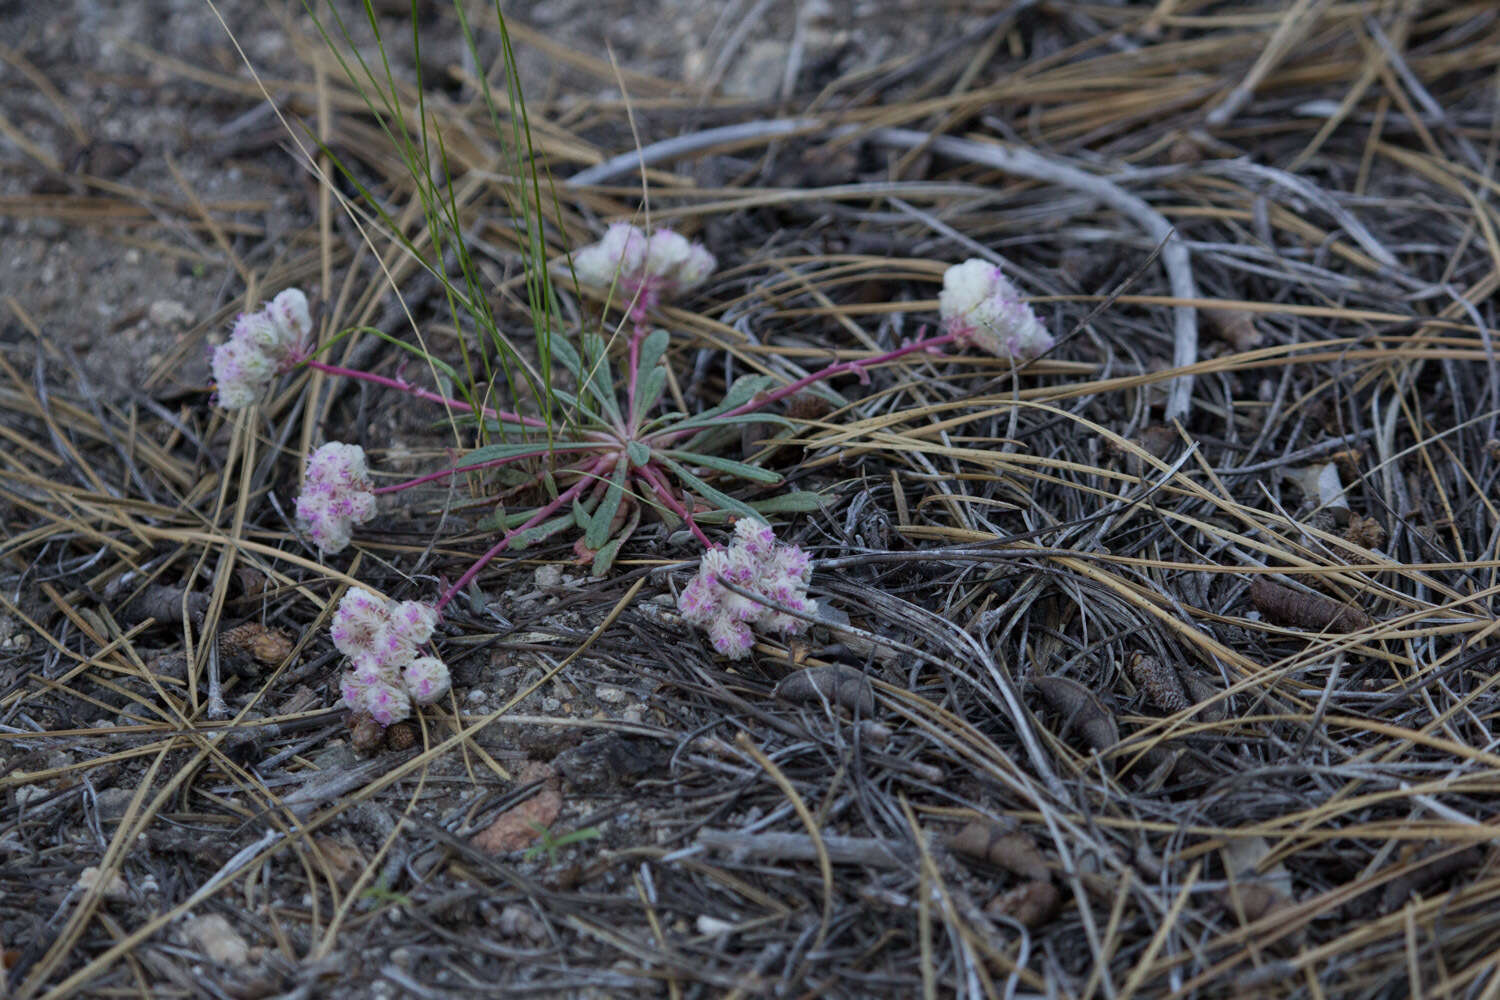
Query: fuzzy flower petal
(262, 344)
(288, 310)
(766, 570)
(426, 679)
(385, 703)
(620, 256)
(360, 617)
(240, 370)
(981, 306)
(337, 495)
(645, 269)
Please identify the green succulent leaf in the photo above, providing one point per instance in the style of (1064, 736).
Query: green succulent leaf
(796, 502)
(721, 500)
(573, 402)
(648, 391)
(638, 453)
(566, 356)
(493, 452)
(739, 394)
(599, 380)
(540, 532)
(604, 559)
(652, 349)
(754, 473)
(596, 533)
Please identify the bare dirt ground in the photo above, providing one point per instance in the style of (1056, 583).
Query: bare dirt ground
(1169, 657)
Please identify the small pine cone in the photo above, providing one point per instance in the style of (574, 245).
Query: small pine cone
(365, 733)
(1030, 904)
(807, 406)
(1310, 612)
(1365, 532)
(263, 644)
(1159, 681)
(400, 735)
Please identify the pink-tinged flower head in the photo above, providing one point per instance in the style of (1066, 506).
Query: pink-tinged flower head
(384, 702)
(416, 619)
(361, 616)
(335, 496)
(765, 570)
(619, 257)
(666, 252)
(755, 537)
(731, 638)
(426, 679)
(263, 343)
(356, 682)
(695, 270)
(240, 371)
(381, 639)
(645, 269)
(980, 305)
(288, 310)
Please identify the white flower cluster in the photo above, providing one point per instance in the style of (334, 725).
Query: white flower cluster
(381, 639)
(981, 306)
(645, 269)
(336, 496)
(756, 563)
(262, 344)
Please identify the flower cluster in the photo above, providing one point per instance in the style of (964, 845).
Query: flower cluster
(381, 639)
(979, 305)
(757, 564)
(646, 269)
(336, 495)
(263, 343)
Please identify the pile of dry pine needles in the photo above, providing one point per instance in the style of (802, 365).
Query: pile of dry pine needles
(1168, 661)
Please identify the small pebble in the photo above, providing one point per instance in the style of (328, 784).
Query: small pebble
(113, 888)
(551, 704)
(548, 576)
(113, 802)
(27, 794)
(609, 694)
(167, 312)
(476, 695)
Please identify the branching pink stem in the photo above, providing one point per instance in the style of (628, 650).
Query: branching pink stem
(565, 497)
(457, 469)
(664, 491)
(630, 374)
(402, 385)
(840, 368)
(832, 371)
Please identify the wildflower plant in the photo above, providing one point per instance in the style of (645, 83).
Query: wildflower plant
(590, 444)
(609, 450)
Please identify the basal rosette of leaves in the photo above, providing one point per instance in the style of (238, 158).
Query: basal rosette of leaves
(615, 453)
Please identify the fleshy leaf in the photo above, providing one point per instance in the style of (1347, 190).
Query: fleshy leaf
(493, 452)
(796, 502)
(648, 391)
(707, 492)
(754, 473)
(604, 517)
(638, 453)
(739, 394)
(652, 349)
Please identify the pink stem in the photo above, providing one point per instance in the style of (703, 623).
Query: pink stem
(403, 386)
(445, 473)
(630, 374)
(541, 515)
(840, 368)
(664, 491)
